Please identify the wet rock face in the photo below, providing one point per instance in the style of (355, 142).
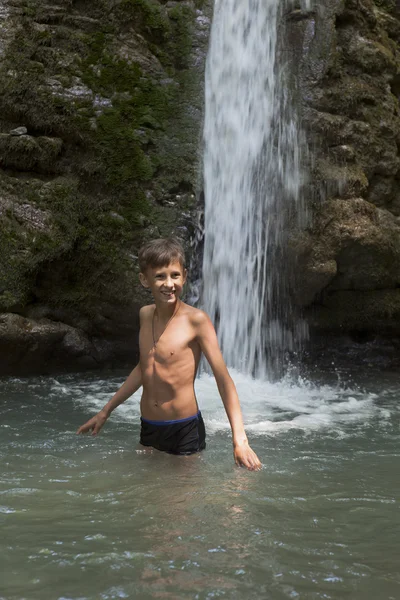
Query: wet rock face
(348, 79)
(51, 340)
(100, 118)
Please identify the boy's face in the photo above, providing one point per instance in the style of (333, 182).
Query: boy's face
(165, 283)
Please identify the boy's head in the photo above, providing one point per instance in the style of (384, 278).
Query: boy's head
(161, 253)
(162, 269)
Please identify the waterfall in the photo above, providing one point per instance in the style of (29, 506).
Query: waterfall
(252, 187)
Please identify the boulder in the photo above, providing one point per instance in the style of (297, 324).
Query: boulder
(353, 245)
(44, 346)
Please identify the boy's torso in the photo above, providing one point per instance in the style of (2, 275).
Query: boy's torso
(169, 367)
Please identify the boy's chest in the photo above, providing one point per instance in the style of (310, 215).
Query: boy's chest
(171, 346)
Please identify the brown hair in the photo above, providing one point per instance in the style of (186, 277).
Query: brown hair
(160, 253)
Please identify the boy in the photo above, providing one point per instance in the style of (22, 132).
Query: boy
(172, 337)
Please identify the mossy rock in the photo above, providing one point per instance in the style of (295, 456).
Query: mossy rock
(39, 222)
(112, 105)
(390, 6)
(28, 153)
(347, 180)
(352, 245)
(370, 55)
(359, 311)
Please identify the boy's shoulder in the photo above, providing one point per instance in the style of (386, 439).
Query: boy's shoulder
(196, 315)
(146, 311)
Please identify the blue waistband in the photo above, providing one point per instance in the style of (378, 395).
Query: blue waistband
(171, 422)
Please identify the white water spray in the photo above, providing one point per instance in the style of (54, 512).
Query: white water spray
(252, 181)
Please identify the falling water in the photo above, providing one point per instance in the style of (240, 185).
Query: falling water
(252, 183)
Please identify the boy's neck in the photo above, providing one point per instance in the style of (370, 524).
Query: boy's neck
(165, 311)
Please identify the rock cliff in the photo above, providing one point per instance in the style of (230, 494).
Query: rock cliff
(348, 84)
(100, 120)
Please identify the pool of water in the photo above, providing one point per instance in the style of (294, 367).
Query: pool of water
(96, 518)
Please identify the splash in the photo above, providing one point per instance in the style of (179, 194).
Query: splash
(252, 187)
(268, 408)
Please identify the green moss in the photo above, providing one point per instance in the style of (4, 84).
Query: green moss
(66, 202)
(388, 5)
(22, 252)
(126, 133)
(168, 30)
(120, 150)
(27, 153)
(111, 74)
(35, 106)
(25, 95)
(182, 17)
(74, 259)
(148, 16)
(29, 9)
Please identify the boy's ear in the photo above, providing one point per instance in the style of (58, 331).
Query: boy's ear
(143, 280)
(184, 275)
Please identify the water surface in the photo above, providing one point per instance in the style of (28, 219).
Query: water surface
(89, 518)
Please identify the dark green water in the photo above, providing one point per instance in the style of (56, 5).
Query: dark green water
(93, 518)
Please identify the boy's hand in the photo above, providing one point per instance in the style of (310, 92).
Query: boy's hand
(246, 457)
(94, 424)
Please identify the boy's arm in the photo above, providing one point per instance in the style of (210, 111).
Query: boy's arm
(207, 338)
(129, 387)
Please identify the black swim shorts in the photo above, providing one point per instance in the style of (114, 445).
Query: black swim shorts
(184, 436)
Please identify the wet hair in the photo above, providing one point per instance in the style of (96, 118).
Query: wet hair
(160, 253)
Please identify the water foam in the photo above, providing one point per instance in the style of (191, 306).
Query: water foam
(268, 408)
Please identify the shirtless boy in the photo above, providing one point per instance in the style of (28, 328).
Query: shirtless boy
(172, 337)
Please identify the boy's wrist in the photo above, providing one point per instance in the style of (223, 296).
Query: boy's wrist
(240, 441)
